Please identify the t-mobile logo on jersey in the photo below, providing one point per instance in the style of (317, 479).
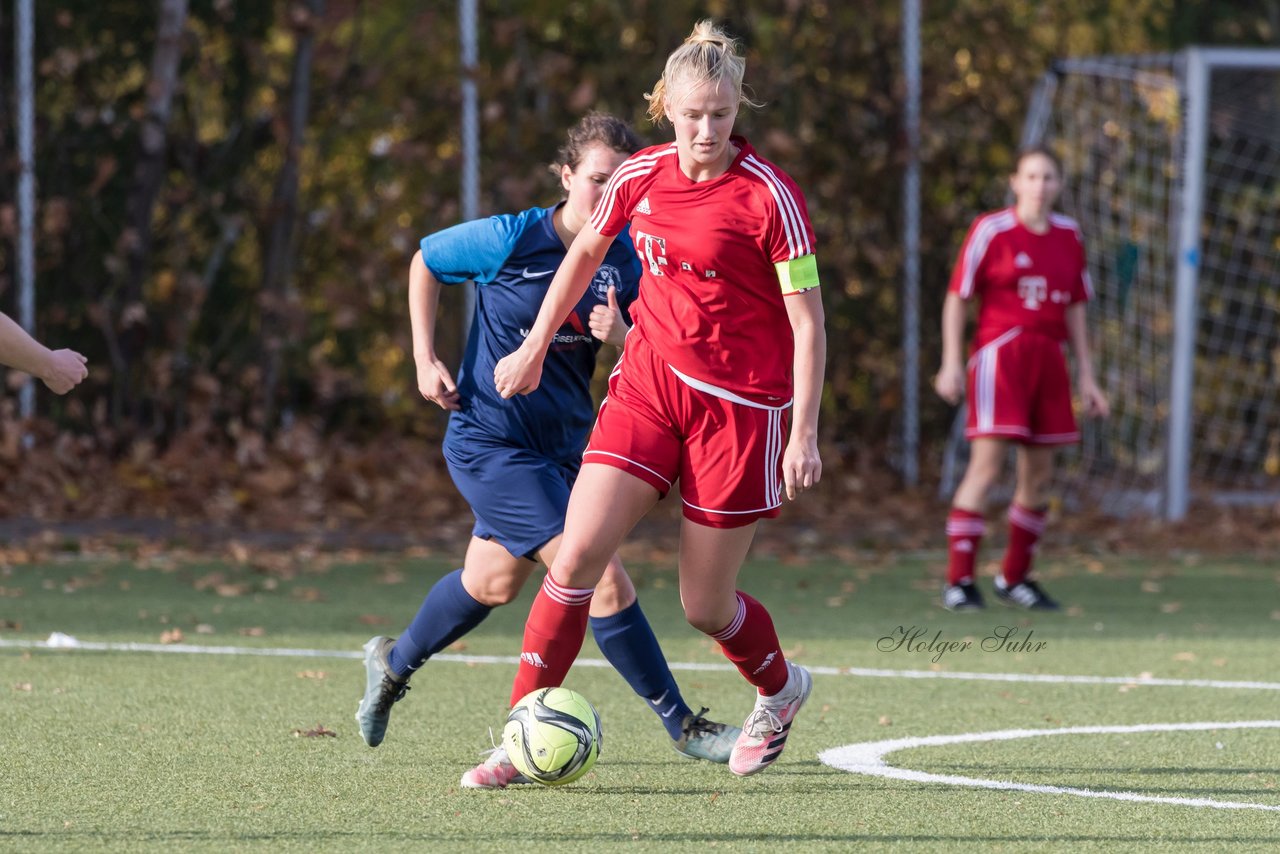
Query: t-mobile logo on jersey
(1032, 290)
(653, 250)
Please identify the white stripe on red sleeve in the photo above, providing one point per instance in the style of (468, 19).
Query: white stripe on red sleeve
(793, 221)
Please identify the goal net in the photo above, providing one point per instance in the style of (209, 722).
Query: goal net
(1173, 170)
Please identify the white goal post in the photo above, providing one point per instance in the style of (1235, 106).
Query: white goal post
(1172, 168)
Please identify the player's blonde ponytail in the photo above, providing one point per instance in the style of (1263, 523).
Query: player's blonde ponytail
(708, 55)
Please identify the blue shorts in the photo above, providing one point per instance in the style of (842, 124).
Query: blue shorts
(518, 496)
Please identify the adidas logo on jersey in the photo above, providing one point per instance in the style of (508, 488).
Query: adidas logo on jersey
(534, 659)
(1023, 261)
(643, 207)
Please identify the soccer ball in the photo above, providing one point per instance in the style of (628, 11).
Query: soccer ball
(553, 736)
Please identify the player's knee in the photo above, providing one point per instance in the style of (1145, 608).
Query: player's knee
(579, 568)
(704, 618)
(497, 590)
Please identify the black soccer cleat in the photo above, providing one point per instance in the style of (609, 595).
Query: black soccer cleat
(962, 597)
(1024, 594)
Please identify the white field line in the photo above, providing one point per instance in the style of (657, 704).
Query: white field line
(869, 758)
(59, 642)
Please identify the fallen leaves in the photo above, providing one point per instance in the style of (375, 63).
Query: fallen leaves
(318, 731)
(173, 635)
(391, 575)
(218, 583)
(307, 594)
(223, 488)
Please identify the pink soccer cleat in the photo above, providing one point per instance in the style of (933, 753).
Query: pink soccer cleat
(496, 772)
(766, 729)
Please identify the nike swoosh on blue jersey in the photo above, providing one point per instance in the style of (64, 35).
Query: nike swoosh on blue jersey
(525, 272)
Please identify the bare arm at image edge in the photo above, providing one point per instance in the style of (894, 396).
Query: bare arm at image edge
(60, 370)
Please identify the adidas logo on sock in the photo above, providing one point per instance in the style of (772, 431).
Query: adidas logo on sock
(534, 659)
(768, 659)
(643, 207)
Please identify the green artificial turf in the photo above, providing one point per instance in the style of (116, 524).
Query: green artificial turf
(151, 751)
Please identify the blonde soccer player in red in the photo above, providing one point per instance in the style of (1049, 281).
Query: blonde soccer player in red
(1026, 267)
(718, 385)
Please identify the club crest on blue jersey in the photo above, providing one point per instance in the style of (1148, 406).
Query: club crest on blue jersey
(607, 276)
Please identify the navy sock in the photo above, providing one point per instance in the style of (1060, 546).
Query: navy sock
(627, 641)
(448, 613)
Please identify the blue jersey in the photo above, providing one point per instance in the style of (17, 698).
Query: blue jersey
(512, 258)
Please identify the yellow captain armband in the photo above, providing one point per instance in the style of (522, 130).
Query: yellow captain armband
(798, 274)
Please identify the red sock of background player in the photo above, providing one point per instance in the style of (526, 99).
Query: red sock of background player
(751, 643)
(552, 637)
(1025, 528)
(964, 535)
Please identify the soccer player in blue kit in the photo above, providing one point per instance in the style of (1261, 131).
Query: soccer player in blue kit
(515, 460)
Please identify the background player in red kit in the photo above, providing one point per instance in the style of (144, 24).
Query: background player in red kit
(1026, 264)
(728, 342)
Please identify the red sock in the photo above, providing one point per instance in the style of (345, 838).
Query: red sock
(751, 643)
(1025, 528)
(964, 534)
(552, 637)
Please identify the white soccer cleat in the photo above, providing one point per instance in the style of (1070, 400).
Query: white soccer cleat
(765, 732)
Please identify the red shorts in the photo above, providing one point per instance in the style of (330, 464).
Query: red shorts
(1019, 389)
(727, 453)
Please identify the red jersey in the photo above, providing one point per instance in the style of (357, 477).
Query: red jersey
(711, 302)
(1025, 279)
